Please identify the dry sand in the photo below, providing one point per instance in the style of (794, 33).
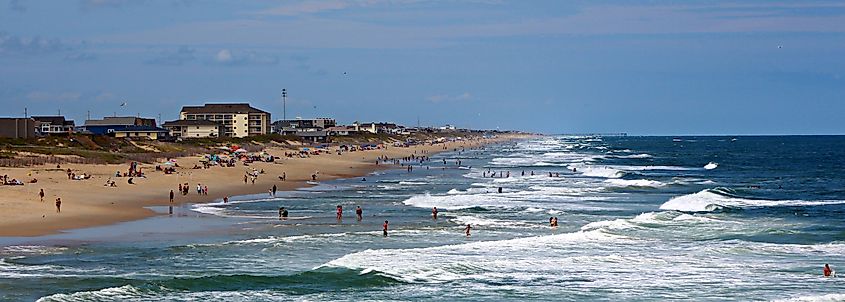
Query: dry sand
(88, 203)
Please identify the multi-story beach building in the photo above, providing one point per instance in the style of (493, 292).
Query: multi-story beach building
(237, 119)
(194, 128)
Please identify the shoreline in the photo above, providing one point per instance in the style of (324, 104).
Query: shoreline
(87, 203)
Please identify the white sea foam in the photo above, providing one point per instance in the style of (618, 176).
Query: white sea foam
(711, 165)
(708, 200)
(635, 183)
(411, 183)
(816, 298)
(597, 171)
(476, 260)
(633, 156)
(126, 292)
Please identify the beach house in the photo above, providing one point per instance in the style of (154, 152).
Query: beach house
(237, 119)
(302, 125)
(194, 128)
(124, 126)
(46, 125)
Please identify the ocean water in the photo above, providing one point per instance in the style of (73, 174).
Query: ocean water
(640, 218)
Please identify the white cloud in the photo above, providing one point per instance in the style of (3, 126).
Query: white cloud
(223, 56)
(229, 57)
(466, 96)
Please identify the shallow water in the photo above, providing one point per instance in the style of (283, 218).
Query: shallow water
(641, 218)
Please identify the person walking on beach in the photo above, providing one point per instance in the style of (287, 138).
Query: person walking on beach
(41, 194)
(384, 228)
(467, 229)
(199, 189)
(171, 196)
(274, 190)
(359, 212)
(244, 179)
(205, 190)
(339, 212)
(434, 213)
(58, 205)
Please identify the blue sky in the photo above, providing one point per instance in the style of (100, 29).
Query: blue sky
(642, 67)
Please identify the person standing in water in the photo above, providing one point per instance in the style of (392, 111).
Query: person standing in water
(434, 213)
(283, 213)
(384, 228)
(828, 272)
(274, 190)
(467, 229)
(339, 212)
(360, 213)
(171, 196)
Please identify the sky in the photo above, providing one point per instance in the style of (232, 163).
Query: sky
(640, 67)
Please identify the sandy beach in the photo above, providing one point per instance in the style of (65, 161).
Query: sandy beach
(88, 203)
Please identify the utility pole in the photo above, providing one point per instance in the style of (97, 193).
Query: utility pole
(284, 104)
(89, 115)
(25, 113)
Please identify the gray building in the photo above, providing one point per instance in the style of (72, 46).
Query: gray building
(17, 127)
(300, 125)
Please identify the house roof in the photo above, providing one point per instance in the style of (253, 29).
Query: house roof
(340, 128)
(190, 123)
(56, 119)
(111, 121)
(222, 108)
(141, 129)
(311, 133)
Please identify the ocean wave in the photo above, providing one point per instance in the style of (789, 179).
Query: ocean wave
(485, 260)
(412, 183)
(233, 287)
(456, 202)
(481, 221)
(714, 199)
(815, 298)
(219, 208)
(634, 156)
(711, 165)
(635, 183)
(597, 171)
